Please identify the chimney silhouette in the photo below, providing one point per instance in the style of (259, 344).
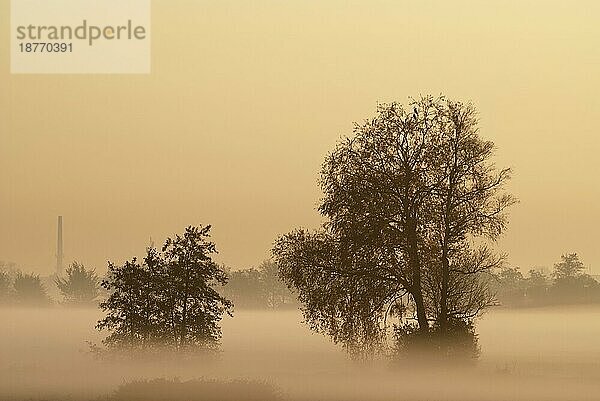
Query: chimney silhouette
(59, 248)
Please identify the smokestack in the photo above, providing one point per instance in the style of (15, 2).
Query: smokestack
(59, 248)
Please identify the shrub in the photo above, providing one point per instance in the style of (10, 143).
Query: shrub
(195, 390)
(457, 343)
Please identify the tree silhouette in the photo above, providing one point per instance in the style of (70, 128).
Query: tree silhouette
(169, 299)
(81, 285)
(569, 266)
(29, 290)
(571, 284)
(196, 307)
(404, 198)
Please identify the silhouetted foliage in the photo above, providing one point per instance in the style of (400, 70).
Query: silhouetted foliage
(29, 290)
(569, 266)
(195, 306)
(404, 198)
(133, 315)
(80, 286)
(169, 299)
(457, 342)
(196, 390)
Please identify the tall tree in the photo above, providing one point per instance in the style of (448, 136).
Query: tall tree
(376, 186)
(403, 200)
(80, 286)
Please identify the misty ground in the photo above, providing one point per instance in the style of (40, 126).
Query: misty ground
(529, 354)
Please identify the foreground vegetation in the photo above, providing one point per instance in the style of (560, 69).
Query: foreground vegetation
(162, 389)
(195, 390)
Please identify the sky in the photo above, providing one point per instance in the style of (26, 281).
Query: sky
(246, 98)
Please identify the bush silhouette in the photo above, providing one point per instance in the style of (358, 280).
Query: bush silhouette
(195, 390)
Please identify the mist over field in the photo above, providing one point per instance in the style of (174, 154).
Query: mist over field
(531, 354)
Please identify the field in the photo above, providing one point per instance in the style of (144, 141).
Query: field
(531, 354)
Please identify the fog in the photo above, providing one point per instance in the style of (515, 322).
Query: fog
(540, 354)
(246, 98)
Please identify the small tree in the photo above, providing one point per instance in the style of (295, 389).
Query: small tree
(81, 285)
(29, 290)
(569, 266)
(169, 299)
(196, 307)
(571, 284)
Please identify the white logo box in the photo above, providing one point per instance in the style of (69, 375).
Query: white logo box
(80, 36)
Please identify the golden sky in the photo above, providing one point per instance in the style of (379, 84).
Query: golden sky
(246, 98)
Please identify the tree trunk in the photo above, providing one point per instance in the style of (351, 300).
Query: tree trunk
(443, 317)
(415, 265)
(183, 339)
(421, 315)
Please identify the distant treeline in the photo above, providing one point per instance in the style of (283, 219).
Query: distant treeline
(251, 288)
(79, 286)
(566, 284)
(258, 288)
(261, 287)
